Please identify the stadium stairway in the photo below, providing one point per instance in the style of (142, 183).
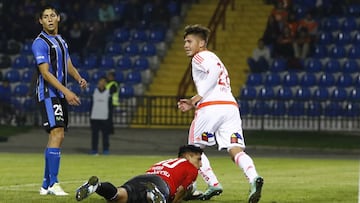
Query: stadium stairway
(244, 26)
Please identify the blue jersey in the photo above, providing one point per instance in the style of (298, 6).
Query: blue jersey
(52, 50)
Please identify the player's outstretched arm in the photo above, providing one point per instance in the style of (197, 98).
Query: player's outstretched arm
(179, 195)
(188, 104)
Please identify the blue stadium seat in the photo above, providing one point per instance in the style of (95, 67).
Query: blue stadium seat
(84, 74)
(314, 109)
(119, 77)
(29, 104)
(349, 24)
(313, 65)
(113, 49)
(260, 108)
(27, 48)
(354, 52)
(337, 52)
(325, 38)
(27, 75)
(173, 8)
(278, 65)
(124, 63)
(330, 24)
(12, 75)
(148, 49)
(356, 80)
(272, 79)
(131, 49)
(342, 38)
(76, 60)
(244, 107)
(96, 75)
(20, 62)
(308, 80)
(333, 109)
(133, 77)
(121, 35)
(303, 94)
(296, 108)
(74, 87)
(106, 62)
(90, 62)
(119, 8)
(356, 38)
(21, 90)
(266, 93)
(326, 80)
(350, 66)
(248, 93)
(353, 9)
(138, 35)
(156, 35)
(344, 80)
(320, 51)
(351, 109)
(332, 66)
(126, 91)
(339, 94)
(141, 64)
(278, 108)
(321, 94)
(254, 79)
(355, 94)
(284, 93)
(290, 79)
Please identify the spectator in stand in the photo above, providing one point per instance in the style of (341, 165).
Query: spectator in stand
(6, 110)
(106, 14)
(302, 44)
(309, 24)
(76, 38)
(133, 13)
(272, 31)
(96, 40)
(91, 12)
(284, 45)
(261, 58)
(279, 11)
(293, 24)
(160, 14)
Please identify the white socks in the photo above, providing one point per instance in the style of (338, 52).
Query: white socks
(206, 172)
(245, 162)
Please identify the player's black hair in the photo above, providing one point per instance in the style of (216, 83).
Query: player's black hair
(199, 30)
(189, 148)
(42, 9)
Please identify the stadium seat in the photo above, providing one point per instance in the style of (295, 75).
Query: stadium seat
(173, 8)
(113, 49)
(296, 108)
(248, 93)
(20, 62)
(308, 80)
(126, 91)
(141, 64)
(290, 79)
(76, 60)
(320, 51)
(21, 90)
(90, 62)
(156, 35)
(326, 80)
(332, 66)
(330, 24)
(124, 63)
(351, 109)
(131, 49)
(337, 52)
(244, 107)
(96, 75)
(106, 62)
(344, 80)
(12, 76)
(354, 52)
(339, 94)
(27, 48)
(266, 93)
(278, 65)
(278, 108)
(314, 109)
(84, 74)
(321, 94)
(333, 109)
(302, 94)
(313, 65)
(138, 35)
(27, 76)
(350, 66)
(74, 87)
(29, 104)
(325, 38)
(342, 38)
(260, 108)
(121, 35)
(254, 79)
(353, 9)
(354, 95)
(284, 93)
(272, 79)
(119, 8)
(356, 38)
(349, 24)
(148, 49)
(356, 80)
(133, 77)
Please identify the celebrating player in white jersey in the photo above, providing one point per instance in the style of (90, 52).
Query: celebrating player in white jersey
(216, 113)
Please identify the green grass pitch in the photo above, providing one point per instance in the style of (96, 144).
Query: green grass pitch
(287, 180)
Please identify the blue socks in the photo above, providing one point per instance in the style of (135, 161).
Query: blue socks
(52, 165)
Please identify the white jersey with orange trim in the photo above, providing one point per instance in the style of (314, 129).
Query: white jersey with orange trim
(217, 113)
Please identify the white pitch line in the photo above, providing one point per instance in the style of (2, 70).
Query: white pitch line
(30, 185)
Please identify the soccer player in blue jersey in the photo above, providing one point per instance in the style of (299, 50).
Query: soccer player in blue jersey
(53, 66)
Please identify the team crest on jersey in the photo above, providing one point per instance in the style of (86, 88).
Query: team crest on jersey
(207, 137)
(235, 138)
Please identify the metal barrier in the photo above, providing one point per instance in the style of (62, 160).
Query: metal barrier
(161, 111)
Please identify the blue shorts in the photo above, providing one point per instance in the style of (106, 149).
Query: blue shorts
(54, 113)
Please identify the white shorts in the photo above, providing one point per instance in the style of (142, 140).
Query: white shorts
(217, 123)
